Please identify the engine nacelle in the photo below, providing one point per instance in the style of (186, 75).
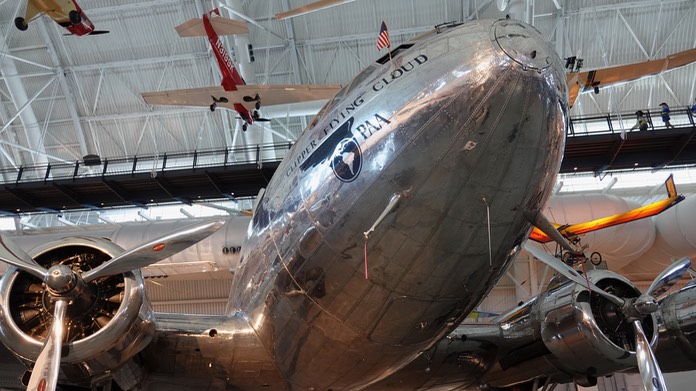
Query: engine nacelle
(105, 328)
(569, 334)
(676, 350)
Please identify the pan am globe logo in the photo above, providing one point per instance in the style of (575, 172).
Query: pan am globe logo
(346, 161)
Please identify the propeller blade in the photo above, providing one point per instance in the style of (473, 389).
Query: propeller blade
(153, 251)
(45, 373)
(668, 277)
(540, 221)
(689, 285)
(650, 372)
(262, 119)
(15, 256)
(99, 32)
(570, 273)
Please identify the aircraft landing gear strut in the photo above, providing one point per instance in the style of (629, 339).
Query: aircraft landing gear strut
(221, 99)
(571, 259)
(256, 99)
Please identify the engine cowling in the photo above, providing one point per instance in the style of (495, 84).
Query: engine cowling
(107, 325)
(676, 349)
(569, 334)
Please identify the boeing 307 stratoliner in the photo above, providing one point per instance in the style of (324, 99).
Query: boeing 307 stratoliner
(393, 215)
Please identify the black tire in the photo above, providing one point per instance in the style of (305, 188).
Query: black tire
(567, 258)
(21, 24)
(212, 107)
(75, 17)
(596, 258)
(244, 127)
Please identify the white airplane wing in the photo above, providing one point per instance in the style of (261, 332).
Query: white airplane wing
(311, 7)
(222, 26)
(269, 95)
(587, 81)
(277, 94)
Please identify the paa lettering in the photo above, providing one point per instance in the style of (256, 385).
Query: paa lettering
(368, 128)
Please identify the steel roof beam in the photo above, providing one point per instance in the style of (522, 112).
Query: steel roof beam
(297, 78)
(627, 5)
(67, 92)
(6, 54)
(135, 63)
(133, 6)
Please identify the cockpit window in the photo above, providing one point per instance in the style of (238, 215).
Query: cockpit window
(338, 98)
(387, 57)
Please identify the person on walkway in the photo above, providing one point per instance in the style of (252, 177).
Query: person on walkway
(642, 121)
(665, 115)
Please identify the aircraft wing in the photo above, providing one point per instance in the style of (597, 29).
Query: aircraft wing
(32, 12)
(586, 81)
(277, 94)
(222, 26)
(208, 352)
(309, 8)
(269, 95)
(610, 221)
(187, 97)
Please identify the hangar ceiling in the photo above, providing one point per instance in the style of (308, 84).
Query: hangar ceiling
(63, 97)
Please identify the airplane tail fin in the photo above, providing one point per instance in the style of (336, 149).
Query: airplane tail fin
(222, 26)
(671, 187)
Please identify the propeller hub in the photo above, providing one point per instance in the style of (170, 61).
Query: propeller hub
(61, 279)
(645, 304)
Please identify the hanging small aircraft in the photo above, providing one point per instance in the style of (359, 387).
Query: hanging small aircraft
(234, 93)
(393, 215)
(568, 236)
(67, 13)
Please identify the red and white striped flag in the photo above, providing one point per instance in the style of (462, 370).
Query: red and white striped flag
(383, 39)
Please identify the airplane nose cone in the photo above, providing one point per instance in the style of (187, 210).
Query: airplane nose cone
(522, 43)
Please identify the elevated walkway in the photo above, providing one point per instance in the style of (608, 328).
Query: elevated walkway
(594, 144)
(601, 143)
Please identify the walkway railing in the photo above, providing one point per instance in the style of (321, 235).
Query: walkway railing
(253, 154)
(259, 154)
(616, 123)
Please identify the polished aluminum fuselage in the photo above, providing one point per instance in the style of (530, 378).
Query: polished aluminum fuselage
(463, 132)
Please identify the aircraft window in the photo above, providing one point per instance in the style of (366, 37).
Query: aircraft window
(338, 98)
(385, 59)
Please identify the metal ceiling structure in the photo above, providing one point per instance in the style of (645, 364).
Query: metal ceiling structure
(64, 97)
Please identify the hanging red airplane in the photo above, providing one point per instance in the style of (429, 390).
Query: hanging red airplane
(234, 93)
(67, 13)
